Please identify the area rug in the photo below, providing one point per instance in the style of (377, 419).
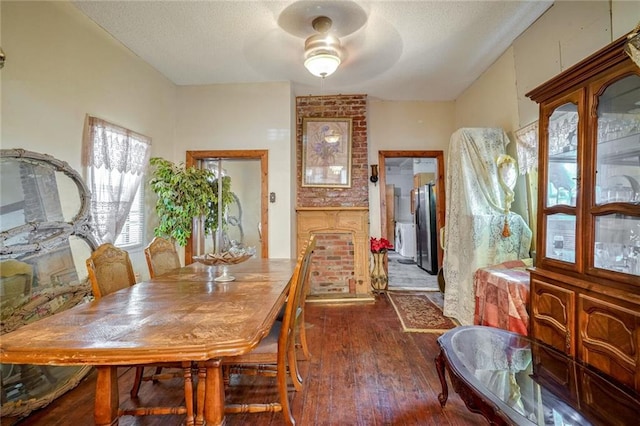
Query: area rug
(418, 314)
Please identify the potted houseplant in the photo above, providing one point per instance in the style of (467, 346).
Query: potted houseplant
(185, 193)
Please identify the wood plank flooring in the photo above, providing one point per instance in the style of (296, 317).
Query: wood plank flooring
(364, 371)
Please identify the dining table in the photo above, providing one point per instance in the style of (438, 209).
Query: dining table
(183, 316)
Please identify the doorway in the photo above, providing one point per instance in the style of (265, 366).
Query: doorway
(249, 213)
(386, 210)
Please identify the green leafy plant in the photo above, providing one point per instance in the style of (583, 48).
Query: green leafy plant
(185, 193)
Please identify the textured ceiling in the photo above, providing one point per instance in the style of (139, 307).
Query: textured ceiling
(395, 50)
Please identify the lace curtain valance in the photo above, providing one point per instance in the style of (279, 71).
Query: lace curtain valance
(116, 148)
(527, 147)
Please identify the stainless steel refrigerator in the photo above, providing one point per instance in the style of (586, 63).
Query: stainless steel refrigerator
(425, 218)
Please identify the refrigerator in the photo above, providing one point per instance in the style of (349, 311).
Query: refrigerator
(425, 219)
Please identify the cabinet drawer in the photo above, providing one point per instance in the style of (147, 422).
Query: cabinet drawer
(552, 315)
(609, 338)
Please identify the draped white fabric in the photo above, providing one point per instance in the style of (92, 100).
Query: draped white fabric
(476, 217)
(116, 159)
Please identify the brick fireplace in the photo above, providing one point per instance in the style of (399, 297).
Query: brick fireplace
(340, 267)
(338, 216)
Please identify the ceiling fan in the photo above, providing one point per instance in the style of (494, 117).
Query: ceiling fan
(323, 51)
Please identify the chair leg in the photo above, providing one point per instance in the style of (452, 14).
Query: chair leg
(292, 362)
(302, 334)
(136, 382)
(284, 396)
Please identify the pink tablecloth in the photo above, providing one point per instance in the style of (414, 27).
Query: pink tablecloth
(502, 296)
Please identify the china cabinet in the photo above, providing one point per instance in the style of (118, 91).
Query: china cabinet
(585, 288)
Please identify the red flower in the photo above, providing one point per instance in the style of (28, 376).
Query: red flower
(380, 245)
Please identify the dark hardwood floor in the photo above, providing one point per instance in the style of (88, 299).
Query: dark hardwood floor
(364, 371)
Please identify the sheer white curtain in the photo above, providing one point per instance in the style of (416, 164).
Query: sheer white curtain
(474, 236)
(527, 147)
(116, 159)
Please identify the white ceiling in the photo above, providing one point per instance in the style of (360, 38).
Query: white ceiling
(395, 50)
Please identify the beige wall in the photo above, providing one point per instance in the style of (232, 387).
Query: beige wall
(245, 116)
(405, 126)
(492, 102)
(60, 67)
(567, 33)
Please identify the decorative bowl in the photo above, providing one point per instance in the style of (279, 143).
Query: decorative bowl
(226, 258)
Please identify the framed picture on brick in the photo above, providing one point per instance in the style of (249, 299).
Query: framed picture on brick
(326, 152)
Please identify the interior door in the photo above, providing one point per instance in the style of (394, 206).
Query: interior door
(247, 215)
(387, 231)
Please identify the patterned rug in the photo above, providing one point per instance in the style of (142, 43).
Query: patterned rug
(418, 314)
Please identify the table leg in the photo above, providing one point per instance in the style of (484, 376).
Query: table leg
(107, 401)
(440, 367)
(188, 391)
(210, 404)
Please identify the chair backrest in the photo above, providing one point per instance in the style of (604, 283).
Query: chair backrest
(109, 270)
(305, 282)
(296, 297)
(161, 256)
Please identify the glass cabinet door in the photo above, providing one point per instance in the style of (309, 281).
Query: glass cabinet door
(561, 186)
(617, 190)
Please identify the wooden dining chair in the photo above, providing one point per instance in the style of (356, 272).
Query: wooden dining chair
(300, 338)
(161, 256)
(110, 270)
(277, 348)
(302, 334)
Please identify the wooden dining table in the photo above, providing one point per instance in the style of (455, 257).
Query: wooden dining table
(183, 316)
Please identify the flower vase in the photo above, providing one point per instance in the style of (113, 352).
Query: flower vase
(379, 279)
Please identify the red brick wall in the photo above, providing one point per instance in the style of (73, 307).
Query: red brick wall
(338, 106)
(333, 262)
(332, 267)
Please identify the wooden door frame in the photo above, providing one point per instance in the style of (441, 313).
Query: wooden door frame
(192, 159)
(440, 191)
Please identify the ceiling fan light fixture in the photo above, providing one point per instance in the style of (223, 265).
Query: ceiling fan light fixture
(322, 64)
(322, 51)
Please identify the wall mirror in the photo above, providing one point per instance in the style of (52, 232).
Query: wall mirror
(44, 241)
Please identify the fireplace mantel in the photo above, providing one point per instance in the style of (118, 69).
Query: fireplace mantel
(340, 220)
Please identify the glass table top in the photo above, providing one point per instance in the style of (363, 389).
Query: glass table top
(532, 384)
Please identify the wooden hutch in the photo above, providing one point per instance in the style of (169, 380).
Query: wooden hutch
(585, 288)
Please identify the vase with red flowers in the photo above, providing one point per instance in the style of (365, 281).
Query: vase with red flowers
(379, 278)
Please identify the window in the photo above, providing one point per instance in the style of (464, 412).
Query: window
(132, 233)
(116, 159)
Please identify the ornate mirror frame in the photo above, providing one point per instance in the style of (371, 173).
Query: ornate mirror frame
(41, 242)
